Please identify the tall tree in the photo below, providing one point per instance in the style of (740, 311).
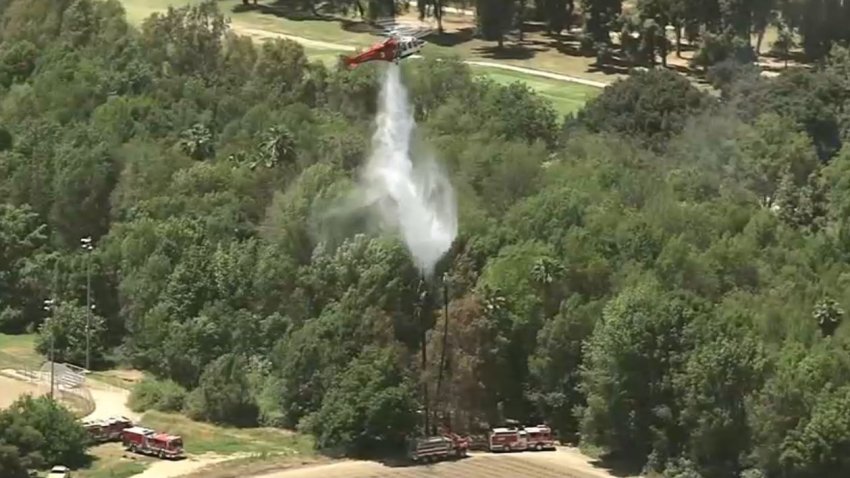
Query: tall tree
(434, 8)
(495, 18)
(557, 14)
(601, 17)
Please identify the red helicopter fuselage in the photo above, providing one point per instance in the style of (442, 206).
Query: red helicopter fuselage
(392, 49)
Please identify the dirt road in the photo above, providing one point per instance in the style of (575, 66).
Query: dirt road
(109, 401)
(174, 469)
(12, 390)
(564, 463)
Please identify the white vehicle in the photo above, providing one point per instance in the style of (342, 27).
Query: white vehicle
(59, 471)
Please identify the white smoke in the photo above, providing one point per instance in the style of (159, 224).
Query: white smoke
(411, 195)
(415, 199)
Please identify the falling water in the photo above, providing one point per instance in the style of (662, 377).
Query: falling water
(415, 199)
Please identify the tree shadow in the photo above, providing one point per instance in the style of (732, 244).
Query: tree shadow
(285, 10)
(359, 26)
(568, 44)
(508, 52)
(616, 65)
(533, 27)
(402, 461)
(617, 466)
(794, 56)
(454, 38)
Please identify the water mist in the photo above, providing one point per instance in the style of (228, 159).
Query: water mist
(408, 193)
(416, 199)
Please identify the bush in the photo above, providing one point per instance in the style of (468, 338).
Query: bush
(369, 408)
(43, 432)
(717, 48)
(224, 394)
(161, 395)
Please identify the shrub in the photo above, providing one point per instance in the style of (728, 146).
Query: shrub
(161, 395)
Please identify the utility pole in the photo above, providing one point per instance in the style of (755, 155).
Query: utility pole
(88, 247)
(445, 338)
(48, 306)
(423, 294)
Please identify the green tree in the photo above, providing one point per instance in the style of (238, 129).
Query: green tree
(627, 376)
(495, 18)
(223, 394)
(22, 236)
(555, 365)
(626, 108)
(10, 462)
(43, 432)
(370, 408)
(195, 34)
(66, 326)
(601, 17)
(718, 378)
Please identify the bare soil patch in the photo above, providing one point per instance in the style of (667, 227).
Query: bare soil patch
(11, 390)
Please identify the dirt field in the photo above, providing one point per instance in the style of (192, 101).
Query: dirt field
(11, 389)
(566, 463)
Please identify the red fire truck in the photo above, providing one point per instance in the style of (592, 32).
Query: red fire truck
(508, 439)
(148, 442)
(108, 429)
(438, 448)
(540, 438)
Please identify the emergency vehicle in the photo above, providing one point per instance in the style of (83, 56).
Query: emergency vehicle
(108, 429)
(148, 442)
(508, 439)
(438, 448)
(540, 438)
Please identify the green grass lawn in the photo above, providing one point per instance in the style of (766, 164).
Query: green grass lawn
(18, 351)
(204, 437)
(120, 469)
(565, 97)
(108, 461)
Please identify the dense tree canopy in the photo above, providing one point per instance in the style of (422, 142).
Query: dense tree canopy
(663, 275)
(35, 432)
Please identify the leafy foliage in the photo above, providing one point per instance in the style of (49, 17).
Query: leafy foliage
(38, 431)
(66, 331)
(370, 408)
(161, 395)
(663, 276)
(651, 106)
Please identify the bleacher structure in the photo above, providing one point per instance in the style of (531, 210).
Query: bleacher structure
(69, 383)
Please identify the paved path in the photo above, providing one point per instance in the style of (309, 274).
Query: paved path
(258, 33)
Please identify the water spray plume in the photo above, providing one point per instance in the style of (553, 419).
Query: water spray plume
(411, 195)
(415, 198)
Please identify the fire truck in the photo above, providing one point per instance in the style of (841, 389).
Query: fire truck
(508, 439)
(438, 448)
(540, 438)
(109, 429)
(148, 442)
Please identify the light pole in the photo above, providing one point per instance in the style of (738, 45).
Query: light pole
(48, 306)
(87, 245)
